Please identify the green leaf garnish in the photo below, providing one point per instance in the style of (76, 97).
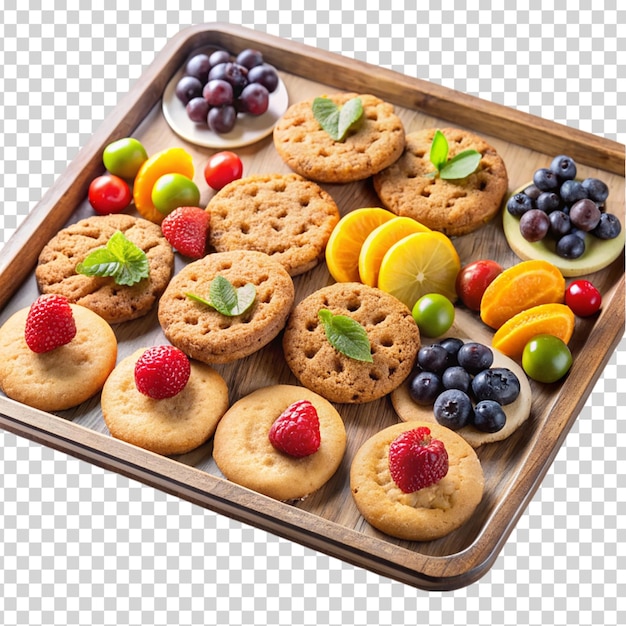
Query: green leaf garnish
(225, 299)
(459, 166)
(346, 335)
(335, 120)
(120, 259)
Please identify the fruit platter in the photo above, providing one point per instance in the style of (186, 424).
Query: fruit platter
(351, 308)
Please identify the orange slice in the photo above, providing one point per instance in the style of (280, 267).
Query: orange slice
(522, 286)
(379, 241)
(418, 264)
(552, 319)
(344, 244)
(168, 161)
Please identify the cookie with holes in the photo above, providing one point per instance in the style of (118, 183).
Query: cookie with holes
(222, 321)
(321, 363)
(283, 215)
(456, 207)
(375, 141)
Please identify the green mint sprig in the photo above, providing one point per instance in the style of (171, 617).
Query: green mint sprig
(335, 120)
(120, 259)
(459, 166)
(346, 335)
(226, 299)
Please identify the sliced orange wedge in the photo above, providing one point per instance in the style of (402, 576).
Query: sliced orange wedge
(344, 244)
(168, 161)
(418, 264)
(379, 241)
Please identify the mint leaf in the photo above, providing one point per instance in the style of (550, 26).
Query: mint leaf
(120, 259)
(337, 121)
(462, 165)
(439, 150)
(346, 335)
(225, 299)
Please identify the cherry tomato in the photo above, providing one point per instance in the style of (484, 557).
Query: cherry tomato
(546, 358)
(124, 157)
(473, 279)
(173, 190)
(434, 314)
(583, 298)
(222, 168)
(109, 194)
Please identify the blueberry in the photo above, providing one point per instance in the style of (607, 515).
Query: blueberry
(452, 345)
(608, 227)
(570, 246)
(453, 409)
(545, 179)
(548, 201)
(475, 357)
(456, 377)
(571, 191)
(433, 358)
(560, 224)
(497, 383)
(596, 189)
(489, 416)
(564, 167)
(424, 387)
(519, 203)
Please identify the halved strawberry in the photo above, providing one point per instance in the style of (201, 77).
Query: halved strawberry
(49, 323)
(187, 228)
(296, 431)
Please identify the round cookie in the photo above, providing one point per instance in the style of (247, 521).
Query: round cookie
(284, 215)
(309, 150)
(244, 454)
(169, 426)
(64, 377)
(393, 334)
(428, 513)
(211, 337)
(56, 269)
(454, 207)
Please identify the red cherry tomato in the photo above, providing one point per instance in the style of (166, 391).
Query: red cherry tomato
(583, 298)
(222, 168)
(473, 279)
(109, 194)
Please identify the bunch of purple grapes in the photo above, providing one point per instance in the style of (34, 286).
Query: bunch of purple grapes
(559, 207)
(216, 87)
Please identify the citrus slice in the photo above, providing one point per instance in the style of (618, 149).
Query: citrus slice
(521, 286)
(549, 319)
(379, 241)
(344, 244)
(168, 161)
(418, 264)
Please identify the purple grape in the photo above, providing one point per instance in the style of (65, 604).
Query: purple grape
(218, 57)
(533, 192)
(534, 225)
(249, 58)
(218, 92)
(197, 110)
(570, 246)
(264, 74)
(236, 75)
(222, 119)
(255, 99)
(199, 66)
(585, 214)
(188, 87)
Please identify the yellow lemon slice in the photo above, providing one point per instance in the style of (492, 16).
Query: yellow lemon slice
(168, 161)
(418, 264)
(344, 244)
(379, 241)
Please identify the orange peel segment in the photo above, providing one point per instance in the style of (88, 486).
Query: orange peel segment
(520, 287)
(168, 161)
(552, 319)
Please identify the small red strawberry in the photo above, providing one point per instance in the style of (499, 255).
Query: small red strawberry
(49, 323)
(296, 431)
(162, 372)
(416, 460)
(186, 228)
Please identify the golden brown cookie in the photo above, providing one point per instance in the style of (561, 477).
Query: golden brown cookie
(284, 215)
(393, 334)
(454, 207)
(203, 333)
(375, 143)
(426, 514)
(64, 377)
(167, 426)
(244, 454)
(56, 269)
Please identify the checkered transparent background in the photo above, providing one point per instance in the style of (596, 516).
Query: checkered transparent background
(84, 546)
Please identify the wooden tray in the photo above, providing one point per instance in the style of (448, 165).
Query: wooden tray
(328, 520)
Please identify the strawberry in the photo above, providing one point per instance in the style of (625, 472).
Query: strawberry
(162, 372)
(296, 431)
(416, 460)
(186, 228)
(49, 323)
